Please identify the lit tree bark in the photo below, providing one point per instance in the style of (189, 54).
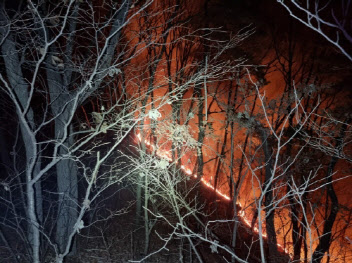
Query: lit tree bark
(34, 72)
(268, 202)
(26, 123)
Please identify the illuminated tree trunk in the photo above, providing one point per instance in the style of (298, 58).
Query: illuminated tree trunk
(146, 216)
(140, 182)
(155, 54)
(201, 132)
(67, 188)
(268, 202)
(26, 123)
(297, 231)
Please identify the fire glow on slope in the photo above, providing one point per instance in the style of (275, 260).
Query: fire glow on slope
(167, 155)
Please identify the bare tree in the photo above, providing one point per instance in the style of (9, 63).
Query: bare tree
(272, 183)
(295, 125)
(56, 57)
(60, 56)
(327, 18)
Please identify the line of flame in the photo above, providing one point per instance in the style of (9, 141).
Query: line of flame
(166, 155)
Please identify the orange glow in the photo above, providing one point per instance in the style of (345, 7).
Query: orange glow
(241, 213)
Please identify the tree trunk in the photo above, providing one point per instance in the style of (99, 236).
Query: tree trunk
(26, 122)
(325, 238)
(270, 215)
(68, 194)
(201, 133)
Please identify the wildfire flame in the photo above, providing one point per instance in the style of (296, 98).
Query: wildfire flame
(167, 155)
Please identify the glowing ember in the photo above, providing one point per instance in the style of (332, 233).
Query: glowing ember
(167, 155)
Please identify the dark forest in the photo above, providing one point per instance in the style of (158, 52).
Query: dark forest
(175, 131)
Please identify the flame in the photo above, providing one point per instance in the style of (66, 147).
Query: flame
(241, 213)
